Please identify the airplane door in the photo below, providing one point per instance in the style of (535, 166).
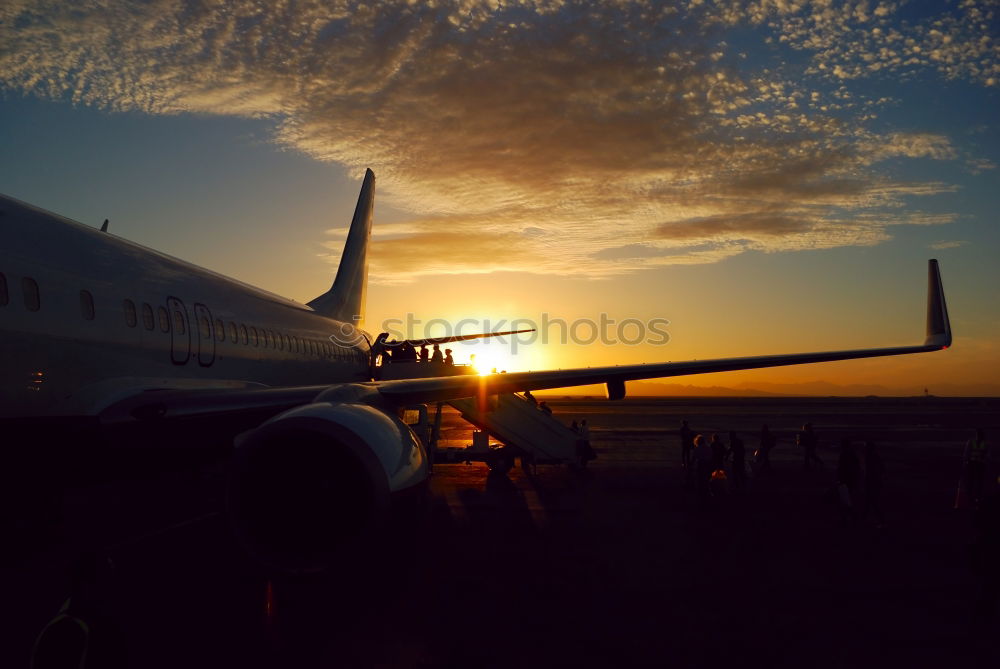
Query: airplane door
(204, 335)
(180, 332)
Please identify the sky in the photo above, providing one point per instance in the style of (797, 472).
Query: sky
(763, 177)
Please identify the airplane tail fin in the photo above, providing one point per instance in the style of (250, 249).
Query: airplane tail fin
(345, 301)
(938, 325)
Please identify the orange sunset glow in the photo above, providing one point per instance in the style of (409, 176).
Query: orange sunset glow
(767, 177)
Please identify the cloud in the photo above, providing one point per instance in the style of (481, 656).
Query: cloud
(943, 244)
(752, 225)
(980, 165)
(540, 136)
(911, 145)
(855, 40)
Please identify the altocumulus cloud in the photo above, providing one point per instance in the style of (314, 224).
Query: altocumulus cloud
(563, 137)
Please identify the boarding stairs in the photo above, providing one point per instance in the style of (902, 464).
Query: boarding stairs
(518, 423)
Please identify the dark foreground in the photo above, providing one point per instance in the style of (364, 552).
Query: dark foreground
(613, 566)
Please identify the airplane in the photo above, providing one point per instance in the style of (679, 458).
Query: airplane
(106, 340)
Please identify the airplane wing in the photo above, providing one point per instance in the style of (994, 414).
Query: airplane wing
(938, 336)
(193, 403)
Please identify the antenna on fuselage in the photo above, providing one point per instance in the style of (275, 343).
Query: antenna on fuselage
(104, 226)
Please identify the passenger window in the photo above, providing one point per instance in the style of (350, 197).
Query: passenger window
(265, 337)
(164, 319)
(179, 322)
(205, 327)
(253, 336)
(87, 305)
(220, 330)
(233, 334)
(147, 316)
(3, 290)
(130, 318)
(295, 344)
(32, 301)
(243, 333)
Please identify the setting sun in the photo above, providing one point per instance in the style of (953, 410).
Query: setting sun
(491, 359)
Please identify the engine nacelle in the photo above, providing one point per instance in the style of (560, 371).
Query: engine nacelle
(314, 483)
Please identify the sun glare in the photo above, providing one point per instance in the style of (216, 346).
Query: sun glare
(495, 357)
(490, 361)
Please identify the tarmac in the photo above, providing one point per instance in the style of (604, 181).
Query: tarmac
(616, 565)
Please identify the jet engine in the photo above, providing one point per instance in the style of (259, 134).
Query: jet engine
(313, 485)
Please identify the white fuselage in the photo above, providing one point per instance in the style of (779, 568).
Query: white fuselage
(110, 318)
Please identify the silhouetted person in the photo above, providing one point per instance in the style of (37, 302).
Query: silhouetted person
(448, 359)
(975, 458)
(808, 441)
(436, 355)
(702, 459)
(718, 453)
(531, 398)
(874, 480)
(588, 451)
(573, 426)
(767, 442)
(738, 452)
(425, 354)
(404, 353)
(687, 444)
(848, 477)
(986, 557)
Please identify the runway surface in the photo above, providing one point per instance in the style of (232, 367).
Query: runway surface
(617, 565)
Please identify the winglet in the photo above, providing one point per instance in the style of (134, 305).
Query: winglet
(345, 301)
(104, 226)
(938, 325)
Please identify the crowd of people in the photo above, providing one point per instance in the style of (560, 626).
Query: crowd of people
(407, 352)
(715, 468)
